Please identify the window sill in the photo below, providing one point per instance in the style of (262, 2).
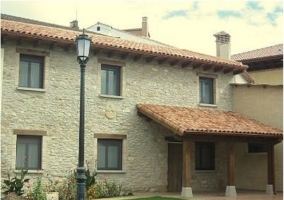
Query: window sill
(31, 89)
(110, 172)
(207, 105)
(40, 171)
(205, 171)
(111, 96)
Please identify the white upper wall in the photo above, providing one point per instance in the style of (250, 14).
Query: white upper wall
(110, 31)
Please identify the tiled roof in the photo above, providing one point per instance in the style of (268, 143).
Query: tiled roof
(61, 35)
(187, 120)
(272, 51)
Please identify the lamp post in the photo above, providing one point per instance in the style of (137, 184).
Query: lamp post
(83, 43)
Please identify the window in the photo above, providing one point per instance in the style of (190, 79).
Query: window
(28, 150)
(110, 80)
(257, 148)
(206, 90)
(109, 154)
(31, 71)
(204, 156)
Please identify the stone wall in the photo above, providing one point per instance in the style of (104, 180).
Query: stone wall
(56, 110)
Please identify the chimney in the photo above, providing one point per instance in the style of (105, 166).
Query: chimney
(145, 26)
(223, 46)
(74, 25)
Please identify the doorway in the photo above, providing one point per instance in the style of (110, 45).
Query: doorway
(174, 167)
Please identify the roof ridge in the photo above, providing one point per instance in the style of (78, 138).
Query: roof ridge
(32, 21)
(259, 49)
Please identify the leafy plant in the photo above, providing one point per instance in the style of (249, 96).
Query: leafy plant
(15, 184)
(37, 192)
(69, 188)
(91, 178)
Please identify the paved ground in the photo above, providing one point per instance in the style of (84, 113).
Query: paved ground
(241, 195)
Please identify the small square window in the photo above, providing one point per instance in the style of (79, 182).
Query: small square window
(257, 148)
(109, 154)
(29, 153)
(31, 71)
(206, 90)
(204, 156)
(110, 80)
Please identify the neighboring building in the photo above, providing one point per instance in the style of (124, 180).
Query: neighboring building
(158, 118)
(261, 99)
(136, 34)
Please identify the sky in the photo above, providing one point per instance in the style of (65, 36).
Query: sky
(185, 24)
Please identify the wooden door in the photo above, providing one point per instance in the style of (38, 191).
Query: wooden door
(174, 167)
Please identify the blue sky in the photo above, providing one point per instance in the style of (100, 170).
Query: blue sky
(185, 24)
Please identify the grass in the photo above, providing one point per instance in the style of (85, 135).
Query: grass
(156, 198)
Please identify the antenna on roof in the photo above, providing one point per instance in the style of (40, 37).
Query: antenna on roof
(74, 23)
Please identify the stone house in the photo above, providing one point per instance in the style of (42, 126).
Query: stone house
(158, 118)
(261, 97)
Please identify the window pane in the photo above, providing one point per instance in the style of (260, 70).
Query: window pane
(257, 148)
(33, 156)
(24, 71)
(113, 157)
(101, 156)
(35, 80)
(20, 157)
(111, 83)
(204, 156)
(104, 82)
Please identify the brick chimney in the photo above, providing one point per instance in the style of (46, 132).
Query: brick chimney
(145, 26)
(223, 45)
(74, 25)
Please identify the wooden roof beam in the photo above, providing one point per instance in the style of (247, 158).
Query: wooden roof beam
(161, 61)
(174, 62)
(206, 67)
(137, 57)
(150, 59)
(227, 70)
(217, 68)
(110, 53)
(124, 55)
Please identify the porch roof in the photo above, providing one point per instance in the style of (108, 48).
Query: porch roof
(188, 120)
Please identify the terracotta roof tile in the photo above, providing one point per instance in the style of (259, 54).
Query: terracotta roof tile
(187, 120)
(11, 27)
(272, 51)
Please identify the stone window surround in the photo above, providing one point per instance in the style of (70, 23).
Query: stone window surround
(28, 132)
(32, 52)
(124, 151)
(215, 89)
(122, 82)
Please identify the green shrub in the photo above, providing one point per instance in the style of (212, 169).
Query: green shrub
(102, 189)
(15, 184)
(38, 191)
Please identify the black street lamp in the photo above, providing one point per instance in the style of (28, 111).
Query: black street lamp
(83, 43)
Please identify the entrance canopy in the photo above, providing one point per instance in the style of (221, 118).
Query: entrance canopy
(187, 120)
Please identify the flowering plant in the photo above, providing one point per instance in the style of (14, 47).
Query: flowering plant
(53, 184)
